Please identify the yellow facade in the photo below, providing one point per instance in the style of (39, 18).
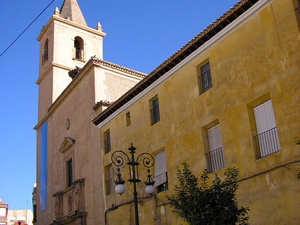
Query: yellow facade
(255, 59)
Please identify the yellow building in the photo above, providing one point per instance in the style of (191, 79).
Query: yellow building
(228, 98)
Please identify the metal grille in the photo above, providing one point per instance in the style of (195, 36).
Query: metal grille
(154, 111)
(107, 147)
(205, 77)
(215, 160)
(266, 143)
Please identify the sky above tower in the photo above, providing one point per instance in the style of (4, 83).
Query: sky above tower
(140, 36)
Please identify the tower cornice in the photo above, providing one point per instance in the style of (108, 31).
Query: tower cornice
(70, 23)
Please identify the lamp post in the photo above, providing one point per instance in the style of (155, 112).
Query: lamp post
(118, 158)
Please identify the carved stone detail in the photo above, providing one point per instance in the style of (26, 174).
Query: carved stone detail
(69, 204)
(58, 205)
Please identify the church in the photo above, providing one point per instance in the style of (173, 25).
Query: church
(75, 85)
(228, 98)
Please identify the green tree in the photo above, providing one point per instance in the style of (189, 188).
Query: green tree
(201, 203)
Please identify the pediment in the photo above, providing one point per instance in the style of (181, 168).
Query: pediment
(67, 143)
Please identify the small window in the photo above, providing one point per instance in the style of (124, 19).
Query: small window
(78, 48)
(154, 110)
(69, 172)
(161, 176)
(128, 119)
(45, 53)
(215, 156)
(204, 78)
(297, 11)
(109, 180)
(107, 146)
(266, 141)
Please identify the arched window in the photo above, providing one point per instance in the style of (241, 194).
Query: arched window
(45, 54)
(78, 47)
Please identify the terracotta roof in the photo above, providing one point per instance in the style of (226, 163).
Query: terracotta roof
(118, 67)
(178, 56)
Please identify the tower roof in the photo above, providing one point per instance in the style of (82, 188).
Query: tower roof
(70, 8)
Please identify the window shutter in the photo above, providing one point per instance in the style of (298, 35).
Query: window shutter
(160, 169)
(264, 117)
(214, 138)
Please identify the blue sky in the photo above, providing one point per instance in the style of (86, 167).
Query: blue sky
(140, 35)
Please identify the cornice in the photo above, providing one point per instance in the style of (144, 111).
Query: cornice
(117, 68)
(50, 66)
(71, 23)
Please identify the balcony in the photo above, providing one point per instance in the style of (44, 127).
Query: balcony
(215, 160)
(266, 143)
(69, 205)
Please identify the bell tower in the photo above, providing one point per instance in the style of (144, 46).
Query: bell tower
(66, 42)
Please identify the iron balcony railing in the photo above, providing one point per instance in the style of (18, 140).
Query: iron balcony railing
(266, 143)
(215, 160)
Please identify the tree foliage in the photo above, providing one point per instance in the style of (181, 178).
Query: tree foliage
(201, 203)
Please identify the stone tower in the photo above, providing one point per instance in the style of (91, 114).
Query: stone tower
(66, 42)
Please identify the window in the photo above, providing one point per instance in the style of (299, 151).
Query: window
(154, 110)
(109, 180)
(78, 48)
(215, 156)
(266, 141)
(128, 119)
(3, 212)
(204, 78)
(45, 54)
(297, 11)
(161, 176)
(69, 172)
(107, 146)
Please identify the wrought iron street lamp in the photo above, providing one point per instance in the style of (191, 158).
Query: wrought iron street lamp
(118, 158)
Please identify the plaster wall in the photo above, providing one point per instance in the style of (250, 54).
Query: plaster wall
(257, 62)
(77, 107)
(45, 95)
(111, 84)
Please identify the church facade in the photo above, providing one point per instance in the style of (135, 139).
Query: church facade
(228, 98)
(75, 84)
